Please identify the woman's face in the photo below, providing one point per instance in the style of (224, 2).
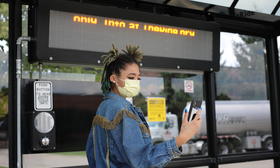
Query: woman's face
(131, 71)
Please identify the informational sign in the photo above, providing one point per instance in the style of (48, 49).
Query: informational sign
(79, 34)
(156, 109)
(43, 96)
(79, 31)
(188, 86)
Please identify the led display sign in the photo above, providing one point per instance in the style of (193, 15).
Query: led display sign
(81, 36)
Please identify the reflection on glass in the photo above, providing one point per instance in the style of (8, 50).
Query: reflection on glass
(262, 6)
(242, 74)
(278, 13)
(242, 105)
(59, 71)
(264, 163)
(178, 89)
(70, 73)
(226, 3)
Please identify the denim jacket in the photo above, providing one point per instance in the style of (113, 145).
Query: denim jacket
(120, 138)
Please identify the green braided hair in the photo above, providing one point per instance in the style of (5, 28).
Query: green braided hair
(114, 61)
(134, 52)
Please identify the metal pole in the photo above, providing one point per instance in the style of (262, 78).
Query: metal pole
(14, 33)
(18, 74)
(210, 92)
(273, 75)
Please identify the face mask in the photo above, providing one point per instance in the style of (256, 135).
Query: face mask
(131, 88)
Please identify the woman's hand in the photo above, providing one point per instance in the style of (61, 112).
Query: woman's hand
(188, 129)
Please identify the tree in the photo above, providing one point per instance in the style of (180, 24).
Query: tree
(4, 13)
(3, 44)
(247, 81)
(3, 101)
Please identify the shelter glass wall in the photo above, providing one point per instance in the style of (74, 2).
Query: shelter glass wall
(81, 80)
(241, 82)
(226, 3)
(178, 88)
(242, 104)
(154, 84)
(278, 12)
(4, 13)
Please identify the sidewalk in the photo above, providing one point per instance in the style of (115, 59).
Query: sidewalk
(45, 160)
(4, 158)
(61, 160)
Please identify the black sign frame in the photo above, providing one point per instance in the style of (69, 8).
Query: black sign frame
(39, 30)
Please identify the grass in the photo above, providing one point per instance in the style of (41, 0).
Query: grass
(78, 153)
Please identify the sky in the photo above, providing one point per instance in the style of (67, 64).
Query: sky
(263, 6)
(278, 40)
(4, 44)
(227, 48)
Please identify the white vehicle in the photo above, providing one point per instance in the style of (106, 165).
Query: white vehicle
(241, 126)
(162, 131)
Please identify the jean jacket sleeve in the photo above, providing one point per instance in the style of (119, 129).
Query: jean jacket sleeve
(137, 147)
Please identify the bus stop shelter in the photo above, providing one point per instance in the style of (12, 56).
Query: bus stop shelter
(196, 17)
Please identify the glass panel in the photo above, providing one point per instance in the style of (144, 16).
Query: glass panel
(4, 156)
(173, 87)
(77, 84)
(187, 4)
(242, 108)
(278, 12)
(226, 3)
(77, 95)
(256, 164)
(262, 6)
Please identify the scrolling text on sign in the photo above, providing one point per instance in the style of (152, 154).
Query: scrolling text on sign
(134, 25)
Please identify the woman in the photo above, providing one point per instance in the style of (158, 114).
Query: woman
(120, 136)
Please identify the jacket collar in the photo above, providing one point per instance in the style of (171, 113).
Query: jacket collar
(112, 95)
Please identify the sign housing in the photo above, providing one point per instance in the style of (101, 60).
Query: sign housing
(76, 33)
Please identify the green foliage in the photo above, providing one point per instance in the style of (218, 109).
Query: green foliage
(4, 29)
(250, 39)
(76, 153)
(178, 101)
(223, 96)
(4, 24)
(3, 101)
(24, 20)
(140, 101)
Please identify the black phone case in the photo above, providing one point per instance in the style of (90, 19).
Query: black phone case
(194, 104)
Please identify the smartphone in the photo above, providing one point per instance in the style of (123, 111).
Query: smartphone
(195, 106)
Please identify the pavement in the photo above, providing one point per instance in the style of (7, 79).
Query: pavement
(45, 160)
(4, 157)
(62, 160)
